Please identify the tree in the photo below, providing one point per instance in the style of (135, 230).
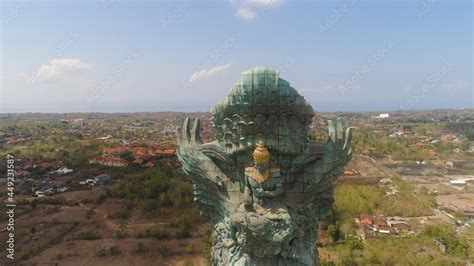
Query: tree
(34, 203)
(333, 232)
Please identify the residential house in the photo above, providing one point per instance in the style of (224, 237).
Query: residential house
(102, 179)
(165, 153)
(382, 226)
(21, 173)
(385, 181)
(366, 219)
(62, 171)
(107, 161)
(351, 172)
(399, 224)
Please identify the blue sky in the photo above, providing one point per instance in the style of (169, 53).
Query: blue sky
(185, 55)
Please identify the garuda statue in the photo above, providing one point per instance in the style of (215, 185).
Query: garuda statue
(263, 183)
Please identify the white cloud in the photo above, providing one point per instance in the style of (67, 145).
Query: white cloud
(323, 89)
(246, 13)
(249, 9)
(208, 72)
(58, 67)
(265, 3)
(455, 86)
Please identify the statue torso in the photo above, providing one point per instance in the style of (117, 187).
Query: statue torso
(261, 182)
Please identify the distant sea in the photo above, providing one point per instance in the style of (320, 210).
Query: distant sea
(104, 109)
(206, 107)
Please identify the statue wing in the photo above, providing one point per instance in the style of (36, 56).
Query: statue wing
(215, 192)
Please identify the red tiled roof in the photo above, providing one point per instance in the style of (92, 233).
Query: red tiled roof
(348, 172)
(165, 151)
(365, 218)
(138, 161)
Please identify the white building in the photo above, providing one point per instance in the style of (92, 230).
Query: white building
(63, 171)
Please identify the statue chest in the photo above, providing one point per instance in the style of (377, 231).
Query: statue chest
(265, 181)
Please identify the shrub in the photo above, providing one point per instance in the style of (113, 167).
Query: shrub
(72, 202)
(354, 242)
(100, 251)
(89, 235)
(90, 213)
(58, 256)
(189, 249)
(100, 199)
(141, 247)
(455, 245)
(115, 250)
(207, 244)
(34, 203)
(121, 233)
(183, 232)
(163, 250)
(159, 233)
(333, 233)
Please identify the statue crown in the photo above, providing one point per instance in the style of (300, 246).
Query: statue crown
(261, 154)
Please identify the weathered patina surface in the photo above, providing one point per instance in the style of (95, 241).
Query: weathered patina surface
(266, 200)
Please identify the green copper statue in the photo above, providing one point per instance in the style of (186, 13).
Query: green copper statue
(261, 180)
(263, 183)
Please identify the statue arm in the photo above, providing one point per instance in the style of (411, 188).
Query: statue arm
(278, 189)
(248, 200)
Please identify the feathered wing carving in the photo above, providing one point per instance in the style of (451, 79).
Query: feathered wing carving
(213, 189)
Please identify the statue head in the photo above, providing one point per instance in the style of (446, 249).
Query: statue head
(261, 156)
(262, 104)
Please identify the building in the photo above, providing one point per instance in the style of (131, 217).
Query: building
(62, 189)
(21, 173)
(381, 225)
(468, 214)
(466, 211)
(385, 181)
(150, 164)
(441, 245)
(105, 138)
(107, 161)
(399, 224)
(102, 179)
(88, 181)
(62, 171)
(46, 165)
(457, 182)
(165, 153)
(38, 194)
(137, 161)
(351, 172)
(366, 219)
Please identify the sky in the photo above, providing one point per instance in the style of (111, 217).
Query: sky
(125, 56)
